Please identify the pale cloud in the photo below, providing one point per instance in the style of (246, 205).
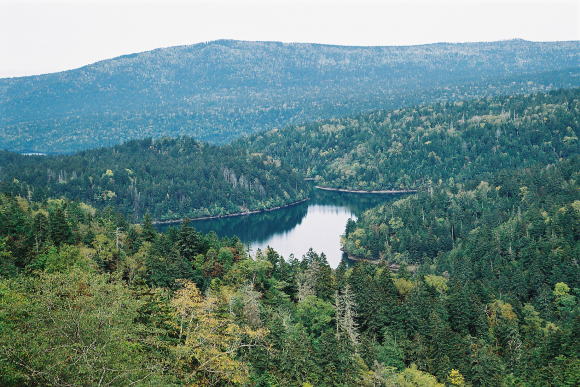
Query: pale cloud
(45, 36)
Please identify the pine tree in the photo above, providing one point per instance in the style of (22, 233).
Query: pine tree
(189, 241)
(149, 232)
(60, 231)
(385, 300)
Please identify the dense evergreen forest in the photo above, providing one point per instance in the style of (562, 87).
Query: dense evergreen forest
(88, 298)
(220, 90)
(416, 147)
(472, 281)
(167, 178)
(408, 148)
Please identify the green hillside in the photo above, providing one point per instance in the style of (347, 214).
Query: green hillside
(167, 178)
(416, 147)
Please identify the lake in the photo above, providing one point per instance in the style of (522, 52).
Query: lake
(317, 223)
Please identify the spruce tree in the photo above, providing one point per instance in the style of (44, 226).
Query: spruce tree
(59, 229)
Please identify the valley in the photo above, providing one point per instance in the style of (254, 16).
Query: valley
(317, 223)
(291, 214)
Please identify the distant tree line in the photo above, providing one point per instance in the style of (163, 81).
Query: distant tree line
(222, 90)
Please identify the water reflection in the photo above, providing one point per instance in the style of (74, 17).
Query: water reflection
(317, 223)
(257, 227)
(320, 229)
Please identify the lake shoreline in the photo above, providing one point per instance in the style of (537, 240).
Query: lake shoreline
(253, 212)
(181, 220)
(360, 191)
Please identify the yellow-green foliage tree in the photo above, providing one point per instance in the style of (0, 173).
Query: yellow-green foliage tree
(209, 338)
(455, 378)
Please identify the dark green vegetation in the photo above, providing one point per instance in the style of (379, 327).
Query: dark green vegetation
(513, 209)
(484, 284)
(506, 252)
(169, 178)
(407, 148)
(220, 90)
(416, 147)
(87, 298)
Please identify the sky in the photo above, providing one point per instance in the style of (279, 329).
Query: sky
(44, 36)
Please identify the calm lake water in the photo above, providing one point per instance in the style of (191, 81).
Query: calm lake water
(317, 223)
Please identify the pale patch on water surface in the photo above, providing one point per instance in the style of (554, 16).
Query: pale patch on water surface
(320, 230)
(317, 224)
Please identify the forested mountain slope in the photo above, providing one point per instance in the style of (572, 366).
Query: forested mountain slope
(406, 148)
(418, 146)
(503, 253)
(169, 178)
(511, 207)
(88, 298)
(218, 90)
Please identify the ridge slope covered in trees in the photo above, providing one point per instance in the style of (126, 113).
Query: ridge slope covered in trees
(219, 90)
(411, 148)
(416, 147)
(88, 298)
(169, 178)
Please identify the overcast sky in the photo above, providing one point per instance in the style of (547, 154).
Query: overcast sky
(46, 35)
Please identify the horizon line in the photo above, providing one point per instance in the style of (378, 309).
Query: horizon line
(285, 43)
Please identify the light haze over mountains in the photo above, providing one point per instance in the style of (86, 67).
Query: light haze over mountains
(220, 90)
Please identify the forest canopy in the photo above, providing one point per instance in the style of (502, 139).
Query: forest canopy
(416, 147)
(472, 281)
(167, 178)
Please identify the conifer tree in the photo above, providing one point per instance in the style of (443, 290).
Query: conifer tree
(60, 231)
(149, 232)
(346, 325)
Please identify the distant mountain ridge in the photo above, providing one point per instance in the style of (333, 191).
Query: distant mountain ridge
(220, 90)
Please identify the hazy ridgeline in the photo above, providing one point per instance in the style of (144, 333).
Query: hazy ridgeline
(221, 90)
